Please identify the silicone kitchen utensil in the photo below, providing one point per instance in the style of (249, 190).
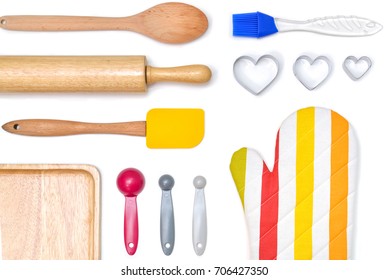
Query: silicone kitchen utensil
(256, 75)
(357, 68)
(302, 208)
(312, 72)
(199, 227)
(166, 183)
(168, 23)
(49, 212)
(163, 128)
(130, 183)
(259, 25)
(90, 74)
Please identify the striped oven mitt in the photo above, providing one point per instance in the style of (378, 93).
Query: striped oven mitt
(303, 208)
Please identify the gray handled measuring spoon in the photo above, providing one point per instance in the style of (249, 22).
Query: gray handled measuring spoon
(166, 182)
(199, 222)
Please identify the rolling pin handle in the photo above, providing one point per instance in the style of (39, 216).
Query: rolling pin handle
(183, 74)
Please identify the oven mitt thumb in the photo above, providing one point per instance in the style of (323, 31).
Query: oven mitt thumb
(302, 208)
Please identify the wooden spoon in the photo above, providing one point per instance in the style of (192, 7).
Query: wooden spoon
(168, 23)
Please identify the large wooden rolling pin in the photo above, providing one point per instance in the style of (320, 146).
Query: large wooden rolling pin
(90, 74)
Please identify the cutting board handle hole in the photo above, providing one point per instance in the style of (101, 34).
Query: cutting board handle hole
(3, 22)
(16, 126)
(131, 245)
(167, 245)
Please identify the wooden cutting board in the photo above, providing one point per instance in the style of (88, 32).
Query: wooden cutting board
(49, 212)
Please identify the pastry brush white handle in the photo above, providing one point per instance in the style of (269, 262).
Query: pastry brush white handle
(337, 26)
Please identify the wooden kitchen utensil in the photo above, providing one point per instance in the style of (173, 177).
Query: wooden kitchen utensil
(168, 23)
(90, 74)
(49, 212)
(163, 128)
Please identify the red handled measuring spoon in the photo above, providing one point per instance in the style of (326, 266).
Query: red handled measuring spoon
(130, 183)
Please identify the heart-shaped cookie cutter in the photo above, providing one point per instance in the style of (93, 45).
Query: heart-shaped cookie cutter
(312, 72)
(357, 68)
(256, 75)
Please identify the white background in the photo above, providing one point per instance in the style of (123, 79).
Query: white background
(234, 118)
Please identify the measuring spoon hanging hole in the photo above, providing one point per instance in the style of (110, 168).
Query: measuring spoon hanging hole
(167, 230)
(199, 221)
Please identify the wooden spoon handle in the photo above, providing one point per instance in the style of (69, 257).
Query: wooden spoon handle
(41, 127)
(63, 23)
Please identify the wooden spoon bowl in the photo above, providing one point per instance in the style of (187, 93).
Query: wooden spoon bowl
(170, 23)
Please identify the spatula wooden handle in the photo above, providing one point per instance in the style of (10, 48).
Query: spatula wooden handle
(42, 127)
(63, 23)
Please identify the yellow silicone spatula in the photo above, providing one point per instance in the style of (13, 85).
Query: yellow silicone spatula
(163, 128)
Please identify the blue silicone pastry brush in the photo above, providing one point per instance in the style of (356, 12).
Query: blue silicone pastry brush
(259, 25)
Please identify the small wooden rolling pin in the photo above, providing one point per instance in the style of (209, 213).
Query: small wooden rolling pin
(90, 74)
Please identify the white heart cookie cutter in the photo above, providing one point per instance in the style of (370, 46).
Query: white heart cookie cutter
(357, 68)
(312, 72)
(256, 75)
